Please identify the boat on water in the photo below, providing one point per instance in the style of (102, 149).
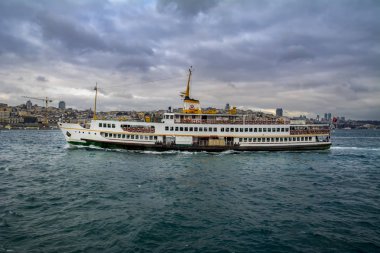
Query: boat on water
(193, 129)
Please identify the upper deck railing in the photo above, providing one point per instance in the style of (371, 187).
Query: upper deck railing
(310, 131)
(232, 122)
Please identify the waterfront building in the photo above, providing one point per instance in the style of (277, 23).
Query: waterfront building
(29, 105)
(279, 112)
(62, 105)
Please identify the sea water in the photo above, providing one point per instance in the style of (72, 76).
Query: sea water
(60, 198)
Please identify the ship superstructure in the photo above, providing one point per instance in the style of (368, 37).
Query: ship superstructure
(195, 130)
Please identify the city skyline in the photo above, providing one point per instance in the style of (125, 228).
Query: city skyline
(306, 57)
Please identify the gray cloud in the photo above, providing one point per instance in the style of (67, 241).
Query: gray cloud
(300, 55)
(187, 8)
(41, 79)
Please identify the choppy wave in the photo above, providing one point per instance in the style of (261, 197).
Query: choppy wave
(356, 137)
(88, 198)
(355, 148)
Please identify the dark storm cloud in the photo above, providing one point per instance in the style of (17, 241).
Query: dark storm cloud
(69, 33)
(314, 56)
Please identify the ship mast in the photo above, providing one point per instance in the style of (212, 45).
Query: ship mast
(96, 95)
(187, 92)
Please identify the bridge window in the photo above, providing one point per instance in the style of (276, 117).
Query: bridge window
(109, 125)
(286, 129)
(241, 130)
(181, 129)
(222, 129)
(171, 128)
(249, 139)
(200, 129)
(186, 129)
(264, 129)
(176, 128)
(151, 137)
(278, 129)
(210, 129)
(282, 129)
(260, 129)
(215, 129)
(195, 129)
(171, 116)
(241, 139)
(100, 124)
(236, 129)
(166, 128)
(190, 129)
(123, 136)
(205, 129)
(269, 129)
(245, 139)
(232, 129)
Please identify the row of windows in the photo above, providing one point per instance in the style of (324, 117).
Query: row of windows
(168, 117)
(130, 136)
(231, 129)
(107, 125)
(83, 132)
(255, 130)
(275, 139)
(192, 129)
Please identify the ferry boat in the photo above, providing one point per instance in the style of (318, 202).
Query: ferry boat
(195, 130)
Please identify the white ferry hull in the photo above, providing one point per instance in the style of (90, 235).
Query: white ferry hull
(117, 136)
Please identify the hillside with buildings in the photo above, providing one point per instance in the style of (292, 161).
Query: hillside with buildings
(33, 116)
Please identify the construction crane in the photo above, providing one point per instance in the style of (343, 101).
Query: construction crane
(47, 101)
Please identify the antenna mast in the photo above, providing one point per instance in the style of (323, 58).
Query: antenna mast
(96, 95)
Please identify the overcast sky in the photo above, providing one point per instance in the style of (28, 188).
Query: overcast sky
(308, 57)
